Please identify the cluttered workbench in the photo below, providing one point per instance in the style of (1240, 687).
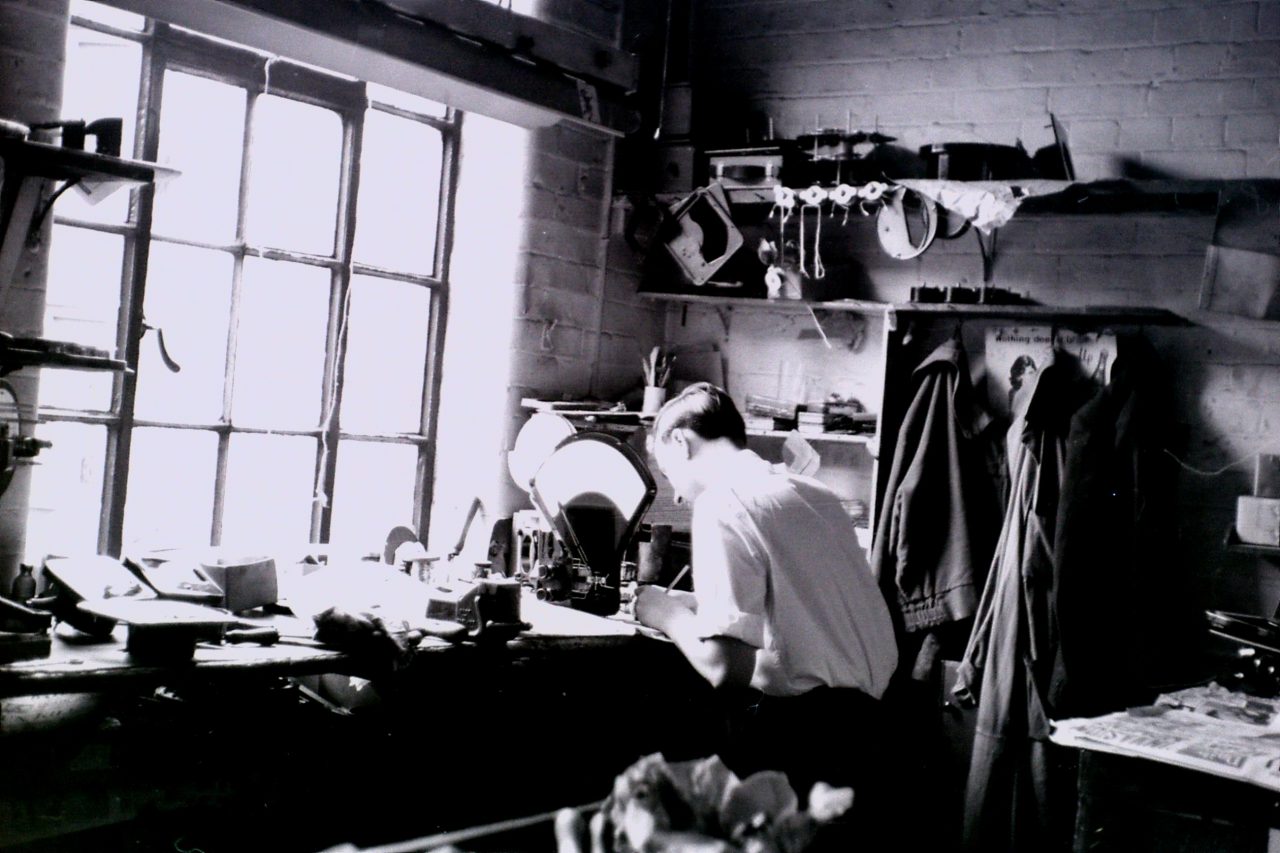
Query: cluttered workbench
(77, 663)
(114, 749)
(348, 700)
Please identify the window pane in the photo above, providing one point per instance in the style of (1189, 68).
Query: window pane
(106, 15)
(399, 194)
(284, 310)
(269, 491)
(295, 160)
(66, 491)
(170, 502)
(101, 82)
(405, 101)
(373, 493)
(189, 297)
(81, 305)
(386, 356)
(202, 134)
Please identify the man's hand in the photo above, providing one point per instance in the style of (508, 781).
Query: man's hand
(655, 607)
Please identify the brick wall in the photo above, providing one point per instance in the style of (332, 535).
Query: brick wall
(1188, 88)
(32, 57)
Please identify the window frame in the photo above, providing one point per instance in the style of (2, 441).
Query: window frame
(165, 48)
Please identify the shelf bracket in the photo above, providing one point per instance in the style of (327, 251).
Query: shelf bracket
(17, 230)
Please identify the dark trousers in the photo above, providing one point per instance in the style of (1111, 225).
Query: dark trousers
(840, 736)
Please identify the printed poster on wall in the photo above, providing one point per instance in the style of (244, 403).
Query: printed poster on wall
(1015, 354)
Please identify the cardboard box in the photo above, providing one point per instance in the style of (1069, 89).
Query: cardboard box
(245, 584)
(1258, 520)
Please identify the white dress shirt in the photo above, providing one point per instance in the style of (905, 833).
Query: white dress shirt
(776, 565)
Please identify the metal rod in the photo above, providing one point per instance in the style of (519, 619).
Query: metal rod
(431, 842)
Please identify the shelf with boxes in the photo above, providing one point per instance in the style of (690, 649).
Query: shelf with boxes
(911, 214)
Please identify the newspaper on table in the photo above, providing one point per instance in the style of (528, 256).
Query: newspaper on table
(1210, 728)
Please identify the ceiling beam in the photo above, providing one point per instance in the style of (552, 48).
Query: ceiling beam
(532, 76)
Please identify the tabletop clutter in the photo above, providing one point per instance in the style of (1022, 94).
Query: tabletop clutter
(700, 806)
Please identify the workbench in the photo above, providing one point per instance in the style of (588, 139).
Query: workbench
(461, 735)
(80, 663)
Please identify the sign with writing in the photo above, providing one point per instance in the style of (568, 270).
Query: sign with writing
(1015, 354)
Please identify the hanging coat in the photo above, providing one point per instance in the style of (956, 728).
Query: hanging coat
(940, 511)
(1118, 601)
(1009, 659)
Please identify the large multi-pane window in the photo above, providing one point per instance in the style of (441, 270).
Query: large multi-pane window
(282, 301)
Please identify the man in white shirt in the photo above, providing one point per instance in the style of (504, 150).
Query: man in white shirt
(784, 602)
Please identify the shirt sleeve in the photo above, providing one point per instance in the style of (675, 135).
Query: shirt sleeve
(729, 572)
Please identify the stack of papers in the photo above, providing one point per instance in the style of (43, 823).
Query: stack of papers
(1211, 729)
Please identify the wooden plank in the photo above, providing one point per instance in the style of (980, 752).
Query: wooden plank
(855, 305)
(1099, 313)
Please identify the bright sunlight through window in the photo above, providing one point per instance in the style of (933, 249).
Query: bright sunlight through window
(286, 299)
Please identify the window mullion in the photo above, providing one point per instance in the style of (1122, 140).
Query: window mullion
(424, 487)
(115, 481)
(336, 340)
(233, 324)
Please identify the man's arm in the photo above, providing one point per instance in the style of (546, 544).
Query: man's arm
(723, 661)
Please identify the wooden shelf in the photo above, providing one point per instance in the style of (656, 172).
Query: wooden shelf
(16, 353)
(1121, 195)
(40, 159)
(830, 437)
(1098, 313)
(1095, 313)
(25, 167)
(860, 306)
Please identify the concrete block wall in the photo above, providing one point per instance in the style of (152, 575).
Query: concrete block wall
(32, 59)
(1184, 87)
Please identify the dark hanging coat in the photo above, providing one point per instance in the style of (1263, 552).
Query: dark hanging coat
(940, 512)
(1117, 601)
(1010, 656)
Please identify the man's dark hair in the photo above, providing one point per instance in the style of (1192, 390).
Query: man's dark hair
(707, 410)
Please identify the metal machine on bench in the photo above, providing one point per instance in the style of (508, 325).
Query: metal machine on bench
(591, 489)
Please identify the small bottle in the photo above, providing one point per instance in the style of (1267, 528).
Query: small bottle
(24, 585)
